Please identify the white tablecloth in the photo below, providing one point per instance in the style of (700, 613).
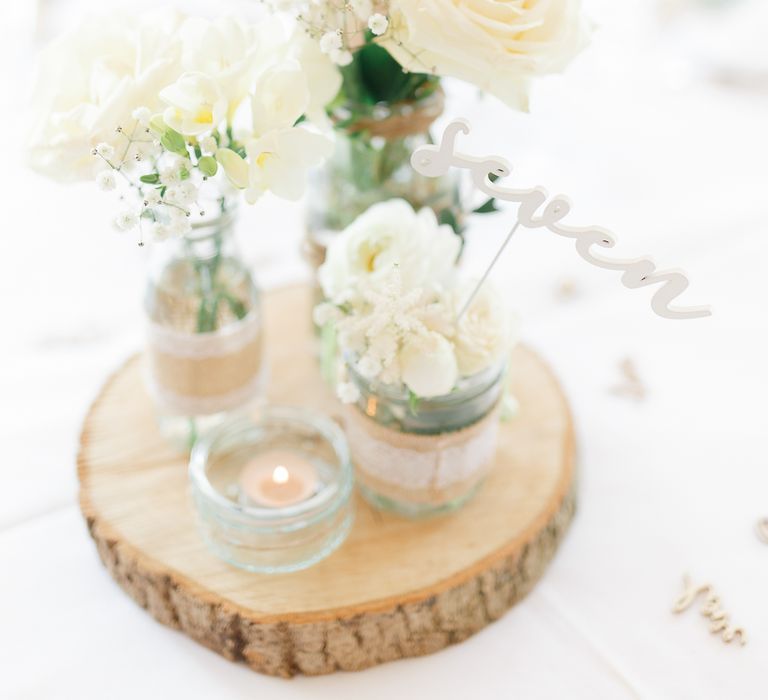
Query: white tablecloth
(648, 140)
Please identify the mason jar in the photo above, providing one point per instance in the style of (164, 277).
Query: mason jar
(420, 457)
(204, 331)
(371, 164)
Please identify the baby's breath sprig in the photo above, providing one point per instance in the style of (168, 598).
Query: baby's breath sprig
(161, 170)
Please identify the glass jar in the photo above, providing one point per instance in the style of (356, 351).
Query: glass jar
(278, 536)
(426, 456)
(371, 163)
(204, 345)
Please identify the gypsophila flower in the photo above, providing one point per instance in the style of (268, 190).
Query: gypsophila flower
(105, 150)
(152, 197)
(341, 57)
(170, 176)
(378, 23)
(160, 231)
(347, 392)
(142, 115)
(368, 366)
(325, 313)
(126, 220)
(208, 144)
(330, 42)
(179, 227)
(106, 181)
(361, 8)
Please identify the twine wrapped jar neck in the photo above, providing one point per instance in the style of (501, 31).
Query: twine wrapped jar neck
(392, 121)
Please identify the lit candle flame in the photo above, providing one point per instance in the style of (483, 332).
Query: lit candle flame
(280, 474)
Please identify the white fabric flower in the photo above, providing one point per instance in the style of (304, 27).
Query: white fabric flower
(196, 104)
(378, 23)
(390, 234)
(347, 392)
(106, 181)
(88, 83)
(428, 365)
(483, 333)
(497, 46)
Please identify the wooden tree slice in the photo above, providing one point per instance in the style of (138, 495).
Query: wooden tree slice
(396, 588)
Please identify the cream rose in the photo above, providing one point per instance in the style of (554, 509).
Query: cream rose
(390, 234)
(497, 46)
(428, 365)
(90, 81)
(483, 333)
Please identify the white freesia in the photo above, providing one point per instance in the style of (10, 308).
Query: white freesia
(230, 52)
(428, 365)
(281, 96)
(279, 160)
(323, 77)
(390, 234)
(90, 80)
(497, 46)
(196, 104)
(483, 333)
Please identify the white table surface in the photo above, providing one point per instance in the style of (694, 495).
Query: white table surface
(647, 143)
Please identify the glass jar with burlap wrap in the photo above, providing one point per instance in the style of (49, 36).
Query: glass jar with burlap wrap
(204, 331)
(426, 456)
(371, 163)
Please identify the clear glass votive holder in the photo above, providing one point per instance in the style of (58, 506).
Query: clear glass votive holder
(273, 495)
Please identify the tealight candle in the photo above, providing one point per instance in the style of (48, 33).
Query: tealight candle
(273, 494)
(278, 478)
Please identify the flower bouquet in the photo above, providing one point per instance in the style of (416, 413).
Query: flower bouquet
(392, 55)
(424, 359)
(177, 117)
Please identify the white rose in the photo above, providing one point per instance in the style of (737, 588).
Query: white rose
(428, 365)
(90, 80)
(387, 234)
(483, 334)
(497, 46)
(196, 104)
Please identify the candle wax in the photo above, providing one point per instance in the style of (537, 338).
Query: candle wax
(279, 478)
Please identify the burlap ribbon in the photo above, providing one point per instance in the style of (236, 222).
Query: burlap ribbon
(205, 373)
(430, 469)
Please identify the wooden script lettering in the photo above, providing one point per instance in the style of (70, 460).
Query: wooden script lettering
(434, 161)
(710, 608)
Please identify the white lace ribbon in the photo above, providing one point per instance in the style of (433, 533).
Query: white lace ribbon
(225, 341)
(422, 462)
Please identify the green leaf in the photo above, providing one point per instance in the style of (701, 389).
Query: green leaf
(446, 216)
(208, 165)
(151, 179)
(413, 403)
(487, 207)
(493, 177)
(174, 142)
